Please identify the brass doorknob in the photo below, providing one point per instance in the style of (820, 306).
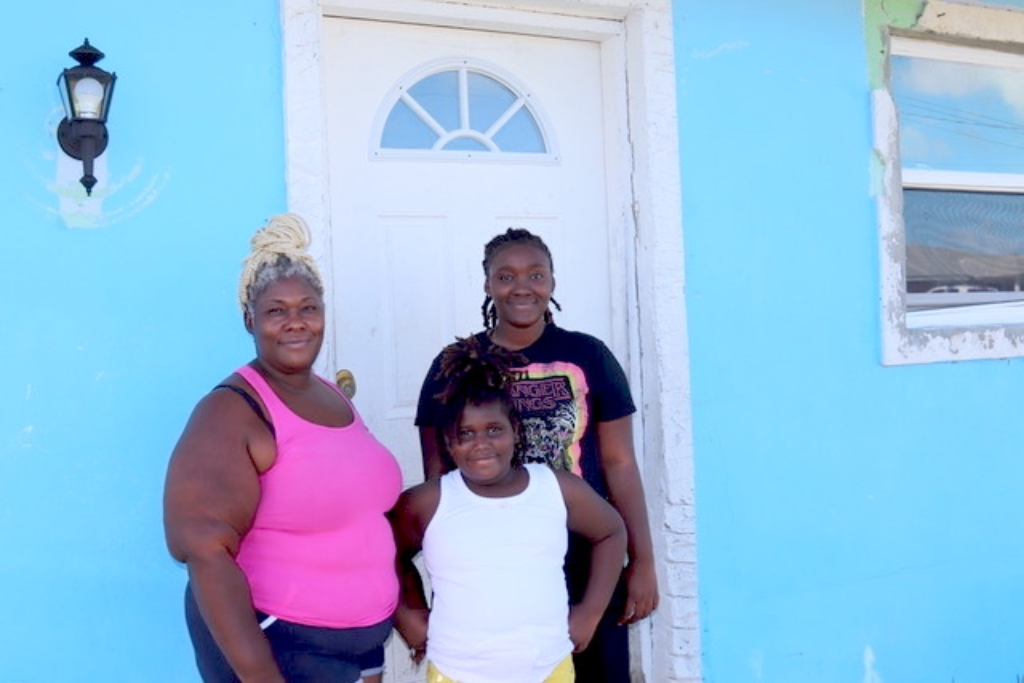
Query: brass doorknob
(346, 381)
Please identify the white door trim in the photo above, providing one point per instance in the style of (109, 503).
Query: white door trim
(636, 40)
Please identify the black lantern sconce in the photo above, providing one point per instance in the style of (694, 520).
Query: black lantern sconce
(85, 90)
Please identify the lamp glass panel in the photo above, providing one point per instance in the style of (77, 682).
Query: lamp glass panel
(63, 85)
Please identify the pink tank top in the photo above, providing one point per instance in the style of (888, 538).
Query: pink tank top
(320, 551)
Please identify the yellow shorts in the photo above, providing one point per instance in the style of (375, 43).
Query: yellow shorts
(563, 673)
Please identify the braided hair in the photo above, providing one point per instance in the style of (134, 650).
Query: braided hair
(476, 376)
(279, 250)
(499, 242)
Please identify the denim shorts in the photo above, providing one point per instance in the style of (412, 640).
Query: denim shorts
(304, 653)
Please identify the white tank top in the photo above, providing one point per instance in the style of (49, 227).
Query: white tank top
(500, 609)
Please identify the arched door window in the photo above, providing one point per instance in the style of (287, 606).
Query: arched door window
(458, 109)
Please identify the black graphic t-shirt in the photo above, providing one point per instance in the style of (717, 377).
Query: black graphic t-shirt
(571, 382)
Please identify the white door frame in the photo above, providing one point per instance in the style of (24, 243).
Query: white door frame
(636, 42)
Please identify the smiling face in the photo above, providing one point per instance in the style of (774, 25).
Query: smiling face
(483, 445)
(521, 283)
(287, 324)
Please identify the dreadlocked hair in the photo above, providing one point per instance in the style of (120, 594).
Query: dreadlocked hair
(499, 242)
(279, 250)
(476, 376)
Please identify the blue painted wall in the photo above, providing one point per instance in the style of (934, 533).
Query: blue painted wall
(855, 522)
(113, 332)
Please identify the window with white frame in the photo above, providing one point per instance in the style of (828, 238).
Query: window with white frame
(959, 117)
(460, 109)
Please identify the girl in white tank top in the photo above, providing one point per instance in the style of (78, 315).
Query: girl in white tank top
(493, 535)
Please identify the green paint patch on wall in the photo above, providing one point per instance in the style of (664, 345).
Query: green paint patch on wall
(879, 17)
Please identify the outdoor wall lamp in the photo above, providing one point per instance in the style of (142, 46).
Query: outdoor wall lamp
(85, 90)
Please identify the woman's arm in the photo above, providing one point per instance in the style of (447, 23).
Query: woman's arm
(615, 445)
(435, 457)
(431, 449)
(210, 498)
(409, 518)
(591, 517)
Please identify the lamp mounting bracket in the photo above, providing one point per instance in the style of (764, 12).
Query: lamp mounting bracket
(71, 135)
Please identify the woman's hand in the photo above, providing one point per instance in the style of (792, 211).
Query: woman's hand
(642, 591)
(626, 493)
(409, 518)
(411, 624)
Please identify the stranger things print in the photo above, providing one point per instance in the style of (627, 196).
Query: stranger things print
(552, 402)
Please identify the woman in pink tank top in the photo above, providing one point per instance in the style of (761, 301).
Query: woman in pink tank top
(276, 497)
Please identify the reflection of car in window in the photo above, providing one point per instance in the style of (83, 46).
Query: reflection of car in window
(960, 289)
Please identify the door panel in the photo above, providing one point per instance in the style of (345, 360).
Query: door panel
(408, 234)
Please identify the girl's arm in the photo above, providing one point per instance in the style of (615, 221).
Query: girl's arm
(409, 518)
(592, 517)
(210, 498)
(615, 444)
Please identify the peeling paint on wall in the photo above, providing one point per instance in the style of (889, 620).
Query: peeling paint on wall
(77, 210)
(23, 439)
(879, 17)
(870, 675)
(990, 24)
(114, 199)
(720, 49)
(941, 17)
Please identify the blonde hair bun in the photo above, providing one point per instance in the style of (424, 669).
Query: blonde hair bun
(285, 233)
(279, 249)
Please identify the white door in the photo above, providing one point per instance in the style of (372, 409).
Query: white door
(408, 225)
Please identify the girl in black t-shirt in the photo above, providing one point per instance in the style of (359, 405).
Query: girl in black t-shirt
(577, 415)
